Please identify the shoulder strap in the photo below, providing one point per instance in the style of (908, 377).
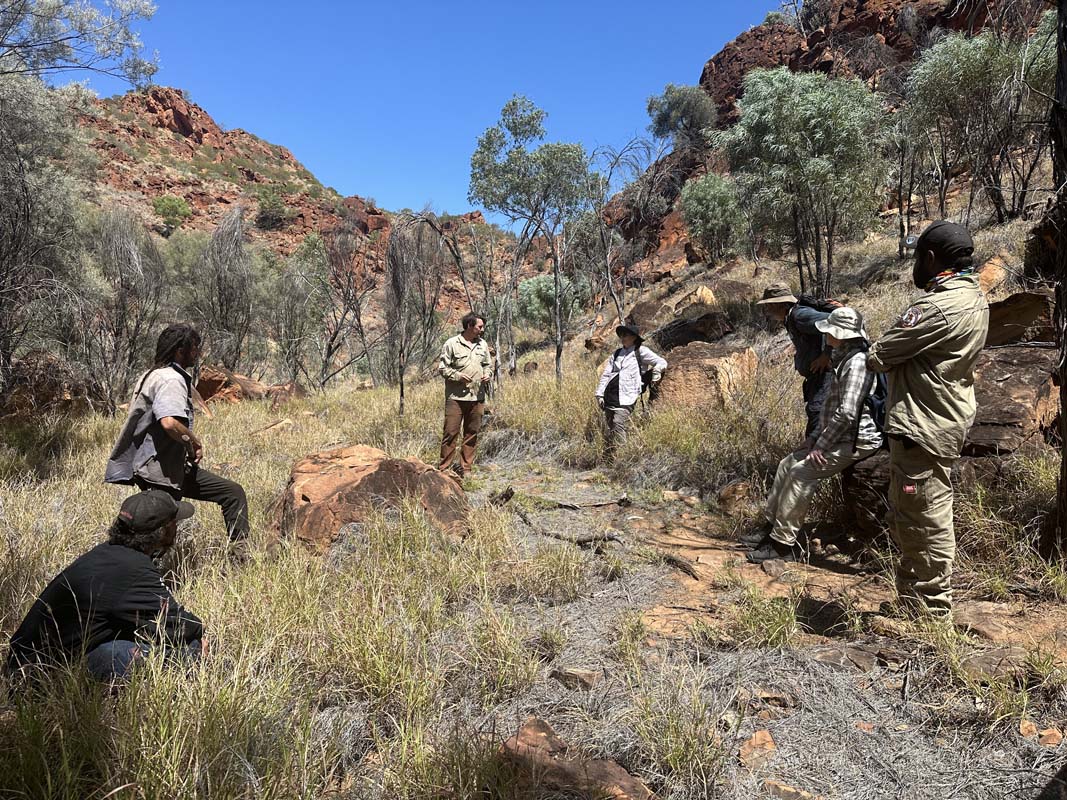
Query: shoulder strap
(868, 384)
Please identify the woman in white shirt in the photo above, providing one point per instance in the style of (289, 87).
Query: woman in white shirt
(622, 382)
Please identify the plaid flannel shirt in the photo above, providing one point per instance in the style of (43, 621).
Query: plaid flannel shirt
(844, 402)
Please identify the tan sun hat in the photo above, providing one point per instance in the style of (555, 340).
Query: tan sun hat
(777, 293)
(843, 323)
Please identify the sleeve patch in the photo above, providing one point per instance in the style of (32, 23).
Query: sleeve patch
(911, 317)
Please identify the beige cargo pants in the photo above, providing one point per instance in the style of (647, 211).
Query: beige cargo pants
(794, 487)
(920, 522)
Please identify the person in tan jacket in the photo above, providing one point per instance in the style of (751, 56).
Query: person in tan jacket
(929, 357)
(467, 367)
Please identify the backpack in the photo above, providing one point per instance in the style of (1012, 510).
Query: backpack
(825, 304)
(875, 400)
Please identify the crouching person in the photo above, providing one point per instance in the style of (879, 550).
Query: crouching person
(110, 604)
(846, 432)
(623, 380)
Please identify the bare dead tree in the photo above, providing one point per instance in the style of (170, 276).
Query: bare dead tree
(113, 319)
(1058, 223)
(224, 290)
(345, 288)
(415, 268)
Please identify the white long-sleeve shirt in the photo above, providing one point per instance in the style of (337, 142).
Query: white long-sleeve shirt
(629, 363)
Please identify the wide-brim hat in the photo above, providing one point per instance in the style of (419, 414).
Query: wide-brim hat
(843, 323)
(629, 328)
(777, 293)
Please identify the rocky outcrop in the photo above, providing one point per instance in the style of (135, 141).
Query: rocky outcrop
(329, 490)
(542, 757)
(707, 327)
(41, 383)
(219, 385)
(1023, 317)
(365, 216)
(704, 374)
(1017, 401)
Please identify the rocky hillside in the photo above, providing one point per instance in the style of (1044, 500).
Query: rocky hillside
(158, 143)
(870, 39)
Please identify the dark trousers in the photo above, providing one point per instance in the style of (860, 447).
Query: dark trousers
(465, 416)
(202, 484)
(115, 659)
(815, 389)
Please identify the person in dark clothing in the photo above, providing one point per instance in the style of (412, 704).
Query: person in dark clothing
(157, 449)
(110, 604)
(811, 356)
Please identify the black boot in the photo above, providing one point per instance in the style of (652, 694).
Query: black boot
(770, 549)
(756, 536)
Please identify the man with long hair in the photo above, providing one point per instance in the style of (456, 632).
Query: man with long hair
(157, 449)
(110, 604)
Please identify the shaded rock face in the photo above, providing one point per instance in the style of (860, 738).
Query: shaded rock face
(536, 752)
(705, 374)
(329, 490)
(366, 217)
(1023, 317)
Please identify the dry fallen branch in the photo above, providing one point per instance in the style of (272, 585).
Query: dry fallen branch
(585, 540)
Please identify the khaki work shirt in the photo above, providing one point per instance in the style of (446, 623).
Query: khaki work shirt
(929, 355)
(465, 363)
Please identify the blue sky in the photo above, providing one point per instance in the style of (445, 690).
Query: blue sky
(387, 99)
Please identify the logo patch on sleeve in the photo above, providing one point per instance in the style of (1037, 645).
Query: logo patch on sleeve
(909, 488)
(911, 317)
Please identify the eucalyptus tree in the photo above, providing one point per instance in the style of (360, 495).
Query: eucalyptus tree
(807, 155)
(538, 185)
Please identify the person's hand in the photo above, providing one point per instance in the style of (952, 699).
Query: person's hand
(600, 402)
(817, 457)
(195, 449)
(205, 648)
(821, 364)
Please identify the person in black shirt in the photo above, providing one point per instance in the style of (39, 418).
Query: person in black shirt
(110, 604)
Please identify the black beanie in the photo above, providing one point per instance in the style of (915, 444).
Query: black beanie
(950, 242)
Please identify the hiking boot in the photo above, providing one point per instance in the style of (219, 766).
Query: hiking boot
(771, 549)
(756, 536)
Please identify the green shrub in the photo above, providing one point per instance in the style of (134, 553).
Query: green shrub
(537, 298)
(273, 213)
(172, 210)
(712, 213)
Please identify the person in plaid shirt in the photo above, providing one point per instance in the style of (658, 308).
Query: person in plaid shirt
(845, 434)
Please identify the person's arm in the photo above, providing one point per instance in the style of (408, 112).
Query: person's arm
(658, 362)
(170, 405)
(918, 329)
(487, 365)
(152, 611)
(843, 418)
(605, 377)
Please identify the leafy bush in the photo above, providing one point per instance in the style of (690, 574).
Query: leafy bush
(273, 213)
(712, 212)
(172, 210)
(681, 113)
(537, 296)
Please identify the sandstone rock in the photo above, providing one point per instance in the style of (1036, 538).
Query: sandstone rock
(696, 302)
(993, 273)
(283, 393)
(1023, 317)
(758, 750)
(998, 663)
(703, 375)
(574, 678)
(1050, 737)
(981, 619)
(1027, 729)
(529, 368)
(775, 568)
(331, 489)
(1016, 399)
(708, 327)
(43, 383)
(538, 752)
(219, 385)
(785, 792)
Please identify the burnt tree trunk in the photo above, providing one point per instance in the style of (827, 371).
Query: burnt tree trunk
(1058, 124)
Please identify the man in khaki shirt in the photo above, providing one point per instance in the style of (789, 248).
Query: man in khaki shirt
(929, 355)
(467, 368)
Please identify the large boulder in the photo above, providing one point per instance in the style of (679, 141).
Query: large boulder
(329, 490)
(1017, 401)
(707, 327)
(219, 385)
(1023, 317)
(703, 374)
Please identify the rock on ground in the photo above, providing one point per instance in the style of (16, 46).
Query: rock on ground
(703, 374)
(331, 489)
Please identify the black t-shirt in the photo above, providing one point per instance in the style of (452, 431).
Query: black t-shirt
(111, 592)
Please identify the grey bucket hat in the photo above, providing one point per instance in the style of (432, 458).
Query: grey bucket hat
(843, 323)
(777, 293)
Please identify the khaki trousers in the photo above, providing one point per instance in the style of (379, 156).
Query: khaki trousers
(920, 522)
(465, 416)
(794, 486)
(617, 420)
